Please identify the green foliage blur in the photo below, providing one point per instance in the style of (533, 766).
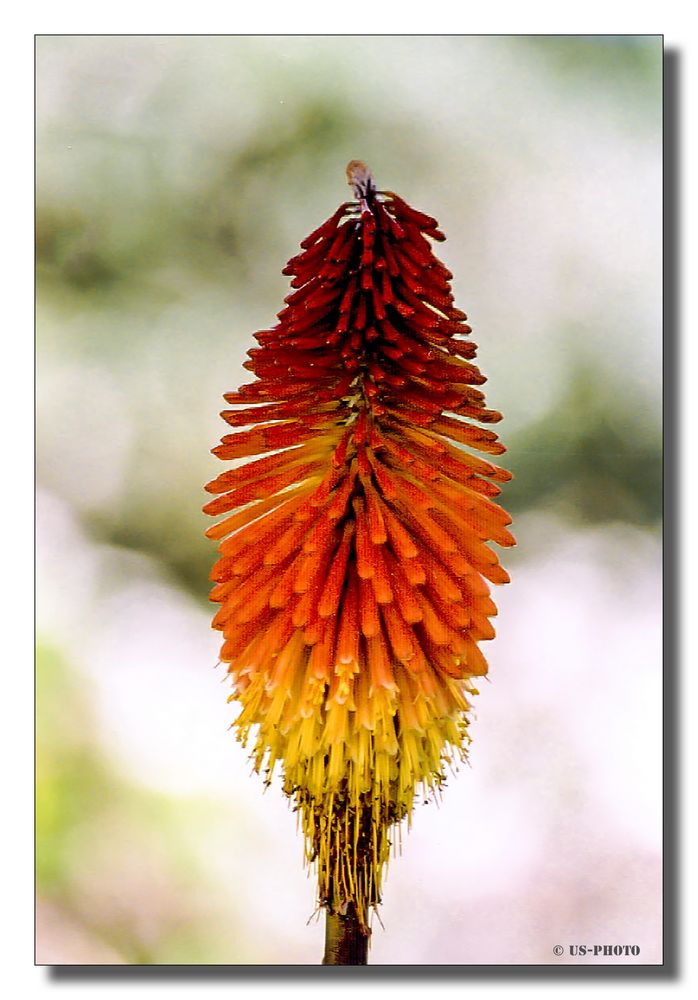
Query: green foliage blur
(84, 809)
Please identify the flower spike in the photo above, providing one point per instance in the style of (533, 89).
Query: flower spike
(355, 559)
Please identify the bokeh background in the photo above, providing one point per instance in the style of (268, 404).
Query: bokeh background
(175, 177)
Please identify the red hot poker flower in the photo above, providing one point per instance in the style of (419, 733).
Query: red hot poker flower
(354, 546)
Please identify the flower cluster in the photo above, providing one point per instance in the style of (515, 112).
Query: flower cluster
(354, 557)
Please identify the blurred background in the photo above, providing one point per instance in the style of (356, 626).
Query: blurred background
(175, 177)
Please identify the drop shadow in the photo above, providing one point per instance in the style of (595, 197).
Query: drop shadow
(671, 407)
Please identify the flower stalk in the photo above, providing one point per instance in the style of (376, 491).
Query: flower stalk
(354, 554)
(346, 940)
